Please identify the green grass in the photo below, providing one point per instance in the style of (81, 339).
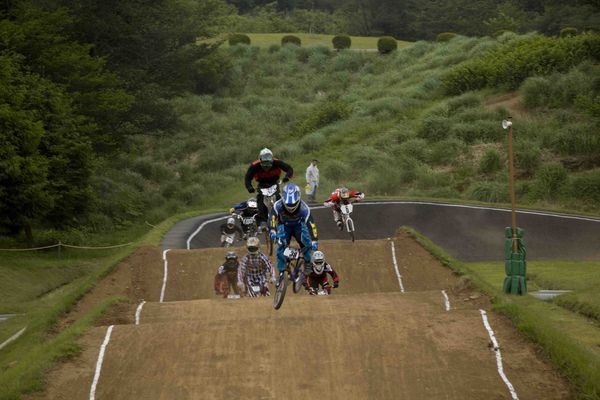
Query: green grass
(568, 338)
(265, 40)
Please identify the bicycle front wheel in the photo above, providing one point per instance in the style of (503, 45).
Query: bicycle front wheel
(280, 291)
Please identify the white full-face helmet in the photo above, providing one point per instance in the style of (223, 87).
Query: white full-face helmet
(318, 262)
(266, 158)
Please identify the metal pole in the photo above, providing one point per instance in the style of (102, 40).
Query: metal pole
(511, 168)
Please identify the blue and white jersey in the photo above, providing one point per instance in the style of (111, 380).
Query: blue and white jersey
(280, 215)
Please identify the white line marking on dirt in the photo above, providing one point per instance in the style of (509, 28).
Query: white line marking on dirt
(496, 350)
(12, 338)
(138, 312)
(99, 362)
(202, 225)
(446, 300)
(396, 266)
(165, 274)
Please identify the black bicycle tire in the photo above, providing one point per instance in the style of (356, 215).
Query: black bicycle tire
(300, 278)
(280, 291)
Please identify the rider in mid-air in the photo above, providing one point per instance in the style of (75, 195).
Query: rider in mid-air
(291, 217)
(317, 276)
(339, 196)
(267, 172)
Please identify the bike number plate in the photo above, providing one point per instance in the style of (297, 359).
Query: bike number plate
(290, 252)
(248, 221)
(346, 208)
(229, 239)
(270, 191)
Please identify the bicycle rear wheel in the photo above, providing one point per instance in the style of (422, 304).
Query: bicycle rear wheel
(280, 291)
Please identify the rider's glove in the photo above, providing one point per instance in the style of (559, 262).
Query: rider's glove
(273, 235)
(328, 204)
(273, 280)
(285, 179)
(232, 210)
(240, 285)
(360, 195)
(251, 189)
(221, 270)
(336, 284)
(314, 245)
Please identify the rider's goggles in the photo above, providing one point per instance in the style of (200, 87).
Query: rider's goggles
(253, 249)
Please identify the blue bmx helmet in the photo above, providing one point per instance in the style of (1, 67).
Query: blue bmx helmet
(291, 197)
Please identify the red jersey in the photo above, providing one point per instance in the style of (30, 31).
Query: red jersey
(334, 198)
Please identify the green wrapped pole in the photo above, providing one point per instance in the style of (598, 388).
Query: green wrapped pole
(514, 245)
(515, 263)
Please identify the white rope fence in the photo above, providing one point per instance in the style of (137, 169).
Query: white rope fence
(59, 245)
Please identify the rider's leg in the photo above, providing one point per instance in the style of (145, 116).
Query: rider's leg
(306, 243)
(284, 236)
(337, 217)
(262, 209)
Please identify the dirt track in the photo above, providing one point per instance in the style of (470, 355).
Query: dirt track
(367, 341)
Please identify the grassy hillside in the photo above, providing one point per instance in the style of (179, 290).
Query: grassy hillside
(383, 124)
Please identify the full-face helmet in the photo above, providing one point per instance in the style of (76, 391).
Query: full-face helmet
(252, 244)
(291, 197)
(231, 255)
(230, 222)
(344, 193)
(266, 158)
(252, 203)
(318, 261)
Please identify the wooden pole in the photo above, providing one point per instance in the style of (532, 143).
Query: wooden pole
(511, 168)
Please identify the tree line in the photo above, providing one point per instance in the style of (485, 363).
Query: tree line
(420, 20)
(77, 77)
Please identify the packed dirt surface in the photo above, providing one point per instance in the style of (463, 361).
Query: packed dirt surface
(368, 340)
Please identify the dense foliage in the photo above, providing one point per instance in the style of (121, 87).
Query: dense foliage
(416, 20)
(78, 77)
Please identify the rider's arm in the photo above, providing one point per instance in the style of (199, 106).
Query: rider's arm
(268, 265)
(287, 168)
(249, 176)
(357, 195)
(241, 270)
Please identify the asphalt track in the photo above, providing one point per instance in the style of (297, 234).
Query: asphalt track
(468, 233)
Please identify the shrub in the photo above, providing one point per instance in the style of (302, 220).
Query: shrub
(568, 32)
(434, 127)
(291, 39)
(336, 169)
(491, 192)
(445, 36)
(303, 54)
(386, 44)
(238, 38)
(415, 148)
(274, 48)
(325, 113)
(586, 187)
(577, 139)
(491, 162)
(477, 131)
(527, 157)
(510, 64)
(341, 42)
(549, 180)
(445, 151)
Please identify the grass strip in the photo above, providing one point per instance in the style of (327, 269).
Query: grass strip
(25, 375)
(569, 340)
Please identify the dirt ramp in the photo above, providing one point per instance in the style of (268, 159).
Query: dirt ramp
(379, 346)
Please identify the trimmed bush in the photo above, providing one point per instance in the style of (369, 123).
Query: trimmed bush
(568, 32)
(445, 36)
(238, 38)
(291, 39)
(386, 44)
(341, 42)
